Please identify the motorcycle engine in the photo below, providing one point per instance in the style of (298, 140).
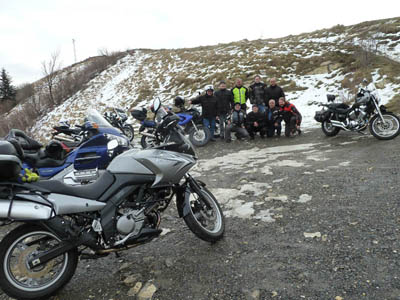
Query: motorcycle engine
(357, 117)
(130, 221)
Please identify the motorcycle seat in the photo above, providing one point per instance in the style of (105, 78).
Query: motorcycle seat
(26, 142)
(91, 191)
(39, 160)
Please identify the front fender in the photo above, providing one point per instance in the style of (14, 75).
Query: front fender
(183, 198)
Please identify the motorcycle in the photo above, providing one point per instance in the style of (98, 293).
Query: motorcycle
(78, 166)
(365, 111)
(118, 119)
(120, 210)
(190, 120)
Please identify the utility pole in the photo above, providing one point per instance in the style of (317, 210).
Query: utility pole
(73, 43)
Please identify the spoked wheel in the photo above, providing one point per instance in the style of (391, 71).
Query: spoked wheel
(205, 218)
(329, 129)
(20, 281)
(129, 132)
(199, 137)
(387, 129)
(148, 142)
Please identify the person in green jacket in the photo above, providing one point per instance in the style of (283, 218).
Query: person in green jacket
(240, 94)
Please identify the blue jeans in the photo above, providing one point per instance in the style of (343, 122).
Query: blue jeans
(210, 123)
(261, 108)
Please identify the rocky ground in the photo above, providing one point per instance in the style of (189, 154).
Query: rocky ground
(308, 217)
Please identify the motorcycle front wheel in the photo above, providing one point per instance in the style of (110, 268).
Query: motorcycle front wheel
(387, 129)
(329, 129)
(205, 218)
(199, 137)
(129, 132)
(20, 281)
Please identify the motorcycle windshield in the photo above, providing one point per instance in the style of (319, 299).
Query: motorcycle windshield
(93, 115)
(177, 141)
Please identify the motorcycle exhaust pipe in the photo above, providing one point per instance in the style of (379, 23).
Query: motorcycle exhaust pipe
(339, 124)
(24, 210)
(148, 134)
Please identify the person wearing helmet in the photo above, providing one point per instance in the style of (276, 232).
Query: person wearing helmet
(240, 94)
(208, 104)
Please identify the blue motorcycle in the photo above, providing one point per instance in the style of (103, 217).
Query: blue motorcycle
(80, 165)
(190, 121)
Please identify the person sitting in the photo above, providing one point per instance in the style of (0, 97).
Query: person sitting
(273, 119)
(255, 122)
(236, 123)
(291, 116)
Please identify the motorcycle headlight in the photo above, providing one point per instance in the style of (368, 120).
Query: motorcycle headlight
(121, 141)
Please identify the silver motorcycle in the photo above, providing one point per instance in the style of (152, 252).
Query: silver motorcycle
(120, 210)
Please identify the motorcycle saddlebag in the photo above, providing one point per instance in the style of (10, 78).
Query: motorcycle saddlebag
(139, 114)
(321, 116)
(10, 164)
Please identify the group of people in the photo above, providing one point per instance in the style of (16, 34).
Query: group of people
(269, 109)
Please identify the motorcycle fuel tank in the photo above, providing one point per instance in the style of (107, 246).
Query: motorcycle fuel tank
(169, 167)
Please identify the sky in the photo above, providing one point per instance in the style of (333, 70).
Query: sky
(31, 30)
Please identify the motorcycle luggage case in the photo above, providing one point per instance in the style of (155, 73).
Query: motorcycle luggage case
(139, 114)
(10, 167)
(10, 164)
(321, 116)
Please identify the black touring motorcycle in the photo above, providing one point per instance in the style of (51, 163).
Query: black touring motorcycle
(120, 210)
(118, 118)
(365, 111)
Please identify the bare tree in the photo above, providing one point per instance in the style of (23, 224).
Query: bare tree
(50, 69)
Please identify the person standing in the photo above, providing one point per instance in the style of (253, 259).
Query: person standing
(273, 119)
(236, 124)
(274, 91)
(224, 105)
(257, 93)
(291, 116)
(255, 122)
(240, 94)
(209, 109)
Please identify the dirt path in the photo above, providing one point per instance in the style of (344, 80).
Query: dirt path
(307, 218)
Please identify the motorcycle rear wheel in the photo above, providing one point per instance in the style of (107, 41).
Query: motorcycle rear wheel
(386, 130)
(20, 281)
(205, 218)
(329, 129)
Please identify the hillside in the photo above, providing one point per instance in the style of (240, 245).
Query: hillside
(307, 66)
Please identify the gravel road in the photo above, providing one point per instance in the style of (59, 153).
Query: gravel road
(308, 217)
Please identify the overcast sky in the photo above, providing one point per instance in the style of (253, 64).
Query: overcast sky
(31, 30)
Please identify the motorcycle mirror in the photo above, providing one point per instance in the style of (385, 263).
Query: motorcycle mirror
(365, 81)
(156, 104)
(111, 145)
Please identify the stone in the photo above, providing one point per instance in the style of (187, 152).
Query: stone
(133, 291)
(169, 262)
(131, 279)
(147, 292)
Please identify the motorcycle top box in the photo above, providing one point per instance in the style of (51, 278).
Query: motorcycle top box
(10, 164)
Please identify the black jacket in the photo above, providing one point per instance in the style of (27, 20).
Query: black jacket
(257, 93)
(274, 92)
(258, 117)
(208, 105)
(224, 101)
(273, 115)
(238, 118)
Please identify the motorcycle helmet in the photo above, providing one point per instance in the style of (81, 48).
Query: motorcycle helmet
(179, 101)
(209, 87)
(55, 150)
